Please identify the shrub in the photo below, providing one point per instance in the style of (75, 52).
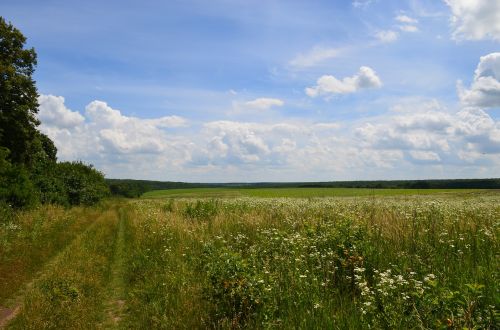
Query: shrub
(83, 183)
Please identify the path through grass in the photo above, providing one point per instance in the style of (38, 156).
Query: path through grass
(427, 261)
(116, 291)
(70, 294)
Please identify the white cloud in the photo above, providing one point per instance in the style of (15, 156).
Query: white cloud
(264, 103)
(485, 88)
(241, 143)
(326, 126)
(362, 4)
(428, 121)
(406, 23)
(313, 57)
(475, 19)
(105, 130)
(479, 131)
(435, 135)
(386, 36)
(424, 155)
(53, 112)
(390, 146)
(328, 85)
(408, 28)
(405, 19)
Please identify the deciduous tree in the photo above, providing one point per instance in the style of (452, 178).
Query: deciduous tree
(18, 95)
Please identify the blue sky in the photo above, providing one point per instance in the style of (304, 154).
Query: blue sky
(269, 90)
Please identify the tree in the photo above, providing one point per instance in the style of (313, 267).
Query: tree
(18, 95)
(16, 189)
(29, 172)
(84, 184)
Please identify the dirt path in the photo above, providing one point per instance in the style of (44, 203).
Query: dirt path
(7, 314)
(115, 305)
(13, 305)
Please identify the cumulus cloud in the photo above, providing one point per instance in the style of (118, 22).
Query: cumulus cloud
(52, 112)
(259, 145)
(103, 130)
(329, 85)
(167, 148)
(430, 121)
(485, 88)
(475, 19)
(478, 130)
(239, 141)
(427, 156)
(313, 57)
(436, 136)
(264, 103)
(386, 36)
(326, 126)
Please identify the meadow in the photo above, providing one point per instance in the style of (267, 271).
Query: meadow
(309, 258)
(296, 192)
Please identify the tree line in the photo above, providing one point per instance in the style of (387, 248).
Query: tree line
(29, 171)
(135, 188)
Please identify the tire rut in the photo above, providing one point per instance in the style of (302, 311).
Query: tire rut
(14, 305)
(114, 307)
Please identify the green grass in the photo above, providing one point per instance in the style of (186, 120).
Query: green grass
(71, 294)
(422, 261)
(189, 262)
(295, 192)
(32, 238)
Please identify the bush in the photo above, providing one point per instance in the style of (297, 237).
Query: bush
(84, 185)
(16, 189)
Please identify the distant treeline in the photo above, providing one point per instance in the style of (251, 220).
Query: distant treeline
(135, 188)
(412, 184)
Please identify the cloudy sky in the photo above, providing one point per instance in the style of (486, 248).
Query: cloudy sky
(269, 90)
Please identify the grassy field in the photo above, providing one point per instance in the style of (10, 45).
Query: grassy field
(297, 192)
(224, 258)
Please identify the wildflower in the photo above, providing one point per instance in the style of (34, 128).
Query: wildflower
(429, 277)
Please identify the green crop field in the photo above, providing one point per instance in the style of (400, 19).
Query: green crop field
(256, 258)
(296, 192)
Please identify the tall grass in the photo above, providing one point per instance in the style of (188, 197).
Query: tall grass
(29, 239)
(334, 263)
(71, 294)
(322, 263)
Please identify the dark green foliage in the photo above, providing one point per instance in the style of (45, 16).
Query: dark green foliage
(16, 189)
(127, 188)
(43, 172)
(29, 173)
(84, 185)
(135, 188)
(18, 94)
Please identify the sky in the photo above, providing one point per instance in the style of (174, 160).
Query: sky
(269, 90)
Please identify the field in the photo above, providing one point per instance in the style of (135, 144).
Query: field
(296, 192)
(318, 258)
